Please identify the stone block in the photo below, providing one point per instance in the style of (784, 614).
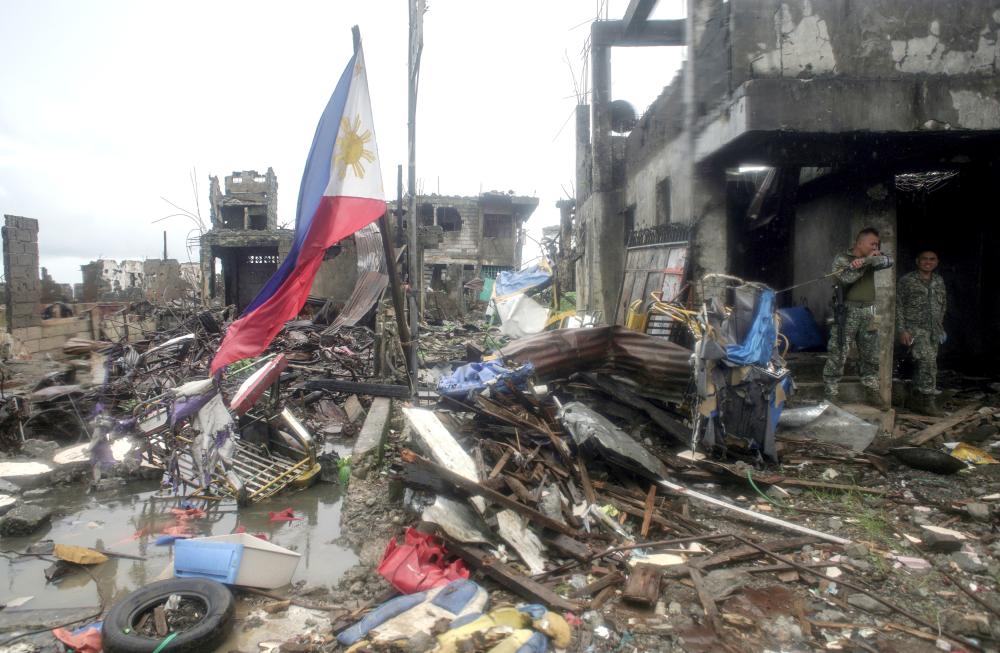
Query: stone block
(24, 520)
(51, 343)
(368, 446)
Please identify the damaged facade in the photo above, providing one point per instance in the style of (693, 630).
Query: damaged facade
(480, 236)
(791, 126)
(244, 238)
(156, 280)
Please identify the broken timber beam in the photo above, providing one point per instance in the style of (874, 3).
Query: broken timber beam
(510, 579)
(478, 489)
(354, 387)
(935, 430)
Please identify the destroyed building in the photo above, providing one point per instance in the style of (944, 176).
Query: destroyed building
(156, 280)
(791, 126)
(244, 237)
(480, 236)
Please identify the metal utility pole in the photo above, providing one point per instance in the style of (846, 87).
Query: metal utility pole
(417, 9)
(164, 245)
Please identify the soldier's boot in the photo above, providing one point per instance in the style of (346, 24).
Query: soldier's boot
(926, 404)
(874, 398)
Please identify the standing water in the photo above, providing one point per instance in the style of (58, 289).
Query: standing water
(130, 520)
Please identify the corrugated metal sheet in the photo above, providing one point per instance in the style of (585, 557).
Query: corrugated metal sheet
(657, 367)
(373, 279)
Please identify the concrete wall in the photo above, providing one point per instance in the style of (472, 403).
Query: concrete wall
(822, 230)
(248, 185)
(458, 246)
(20, 263)
(338, 275)
(874, 38)
(48, 337)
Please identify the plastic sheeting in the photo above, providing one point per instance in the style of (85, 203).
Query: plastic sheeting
(521, 316)
(511, 282)
(799, 326)
(758, 346)
(475, 377)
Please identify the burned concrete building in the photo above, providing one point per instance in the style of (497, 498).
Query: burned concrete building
(480, 236)
(155, 280)
(792, 125)
(244, 237)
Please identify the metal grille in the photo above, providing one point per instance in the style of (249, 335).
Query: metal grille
(672, 232)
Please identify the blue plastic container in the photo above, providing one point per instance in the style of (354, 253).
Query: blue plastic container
(218, 561)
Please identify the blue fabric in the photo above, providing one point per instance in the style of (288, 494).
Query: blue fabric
(510, 282)
(799, 326)
(315, 178)
(381, 614)
(534, 609)
(456, 595)
(474, 377)
(538, 643)
(757, 347)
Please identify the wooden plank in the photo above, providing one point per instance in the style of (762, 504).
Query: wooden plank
(707, 601)
(607, 580)
(353, 387)
(935, 430)
(501, 463)
(647, 513)
(643, 586)
(160, 621)
(511, 579)
(518, 488)
(479, 490)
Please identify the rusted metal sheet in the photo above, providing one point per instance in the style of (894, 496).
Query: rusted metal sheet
(657, 366)
(372, 279)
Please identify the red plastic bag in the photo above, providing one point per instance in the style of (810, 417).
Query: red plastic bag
(419, 564)
(82, 640)
(283, 515)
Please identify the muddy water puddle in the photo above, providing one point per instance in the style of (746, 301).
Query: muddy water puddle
(131, 519)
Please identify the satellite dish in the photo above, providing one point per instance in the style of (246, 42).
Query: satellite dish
(622, 116)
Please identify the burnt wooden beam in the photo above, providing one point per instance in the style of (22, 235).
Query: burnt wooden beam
(611, 33)
(478, 489)
(355, 387)
(643, 586)
(509, 578)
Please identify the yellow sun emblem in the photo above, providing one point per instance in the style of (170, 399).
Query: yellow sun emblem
(350, 150)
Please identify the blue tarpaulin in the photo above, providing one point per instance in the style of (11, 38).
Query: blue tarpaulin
(474, 377)
(512, 282)
(799, 326)
(757, 347)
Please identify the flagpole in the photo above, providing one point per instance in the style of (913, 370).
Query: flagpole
(390, 265)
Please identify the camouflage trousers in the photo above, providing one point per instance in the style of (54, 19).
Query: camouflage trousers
(859, 328)
(924, 351)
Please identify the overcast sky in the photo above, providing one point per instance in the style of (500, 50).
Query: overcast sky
(107, 106)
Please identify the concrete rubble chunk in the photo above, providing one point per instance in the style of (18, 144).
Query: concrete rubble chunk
(978, 511)
(34, 448)
(355, 411)
(868, 604)
(7, 503)
(25, 474)
(368, 445)
(941, 540)
(24, 520)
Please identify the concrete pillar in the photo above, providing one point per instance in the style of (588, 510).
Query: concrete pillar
(710, 241)
(874, 205)
(20, 263)
(606, 237)
(583, 158)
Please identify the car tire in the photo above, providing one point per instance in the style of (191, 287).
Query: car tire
(119, 624)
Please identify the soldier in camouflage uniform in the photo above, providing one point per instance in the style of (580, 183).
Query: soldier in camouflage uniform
(854, 274)
(921, 299)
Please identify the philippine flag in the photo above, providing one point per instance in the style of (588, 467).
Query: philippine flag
(341, 192)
